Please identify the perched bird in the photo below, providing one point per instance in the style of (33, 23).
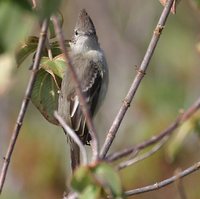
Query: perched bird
(90, 65)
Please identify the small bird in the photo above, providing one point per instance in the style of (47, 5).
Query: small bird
(90, 65)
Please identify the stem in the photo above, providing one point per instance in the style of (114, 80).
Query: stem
(24, 104)
(164, 183)
(136, 82)
(168, 131)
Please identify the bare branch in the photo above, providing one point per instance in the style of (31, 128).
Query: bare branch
(185, 116)
(25, 103)
(49, 49)
(164, 183)
(179, 185)
(143, 156)
(84, 106)
(136, 82)
(73, 135)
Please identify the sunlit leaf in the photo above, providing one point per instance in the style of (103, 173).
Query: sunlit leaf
(97, 181)
(57, 66)
(109, 179)
(82, 178)
(55, 47)
(91, 192)
(26, 48)
(45, 94)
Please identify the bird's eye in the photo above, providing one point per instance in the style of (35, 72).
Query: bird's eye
(76, 32)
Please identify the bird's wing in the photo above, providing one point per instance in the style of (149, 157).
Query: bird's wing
(91, 81)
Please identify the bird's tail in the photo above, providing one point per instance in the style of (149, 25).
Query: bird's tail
(75, 155)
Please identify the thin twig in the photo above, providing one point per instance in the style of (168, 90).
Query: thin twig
(136, 82)
(47, 44)
(49, 51)
(182, 118)
(25, 103)
(74, 136)
(164, 183)
(130, 162)
(84, 106)
(179, 185)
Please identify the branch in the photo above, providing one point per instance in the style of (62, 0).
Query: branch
(182, 118)
(73, 135)
(164, 183)
(25, 103)
(84, 106)
(138, 78)
(179, 185)
(130, 162)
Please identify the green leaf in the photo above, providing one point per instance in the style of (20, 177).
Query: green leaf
(109, 179)
(91, 192)
(30, 46)
(24, 4)
(82, 178)
(45, 94)
(96, 182)
(25, 49)
(55, 47)
(56, 66)
(15, 24)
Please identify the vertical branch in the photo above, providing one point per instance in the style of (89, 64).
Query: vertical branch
(84, 106)
(136, 82)
(25, 103)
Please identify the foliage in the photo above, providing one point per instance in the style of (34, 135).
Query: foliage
(8, 22)
(48, 81)
(97, 181)
(101, 179)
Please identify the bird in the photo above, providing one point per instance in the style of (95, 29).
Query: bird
(90, 65)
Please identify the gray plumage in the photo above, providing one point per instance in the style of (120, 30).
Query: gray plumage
(89, 62)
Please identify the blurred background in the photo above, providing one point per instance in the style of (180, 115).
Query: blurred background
(40, 162)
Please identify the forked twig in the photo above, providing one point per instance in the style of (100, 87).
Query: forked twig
(24, 104)
(73, 135)
(136, 159)
(182, 118)
(136, 82)
(164, 183)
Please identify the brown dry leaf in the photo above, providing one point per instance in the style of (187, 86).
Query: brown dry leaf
(175, 3)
